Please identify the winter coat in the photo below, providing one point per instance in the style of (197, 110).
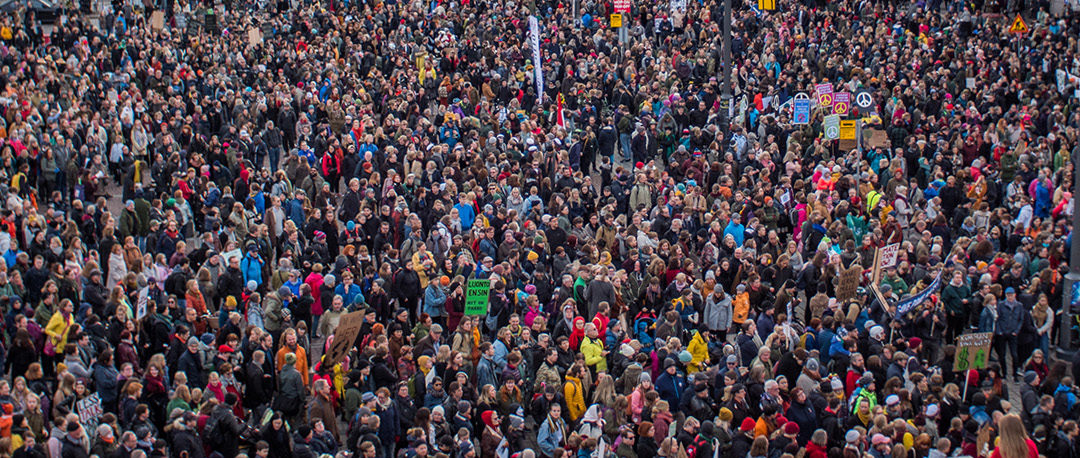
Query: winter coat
(593, 350)
(699, 351)
(1010, 316)
(251, 266)
(718, 312)
(291, 392)
(574, 393)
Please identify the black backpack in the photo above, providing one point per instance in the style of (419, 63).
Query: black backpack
(215, 431)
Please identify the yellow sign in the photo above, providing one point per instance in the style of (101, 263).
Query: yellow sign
(616, 20)
(766, 5)
(847, 130)
(1018, 25)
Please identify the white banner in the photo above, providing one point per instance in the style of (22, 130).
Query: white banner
(538, 67)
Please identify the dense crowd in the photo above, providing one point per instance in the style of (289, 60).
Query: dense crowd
(193, 200)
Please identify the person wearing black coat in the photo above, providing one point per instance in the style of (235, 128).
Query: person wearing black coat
(739, 407)
(291, 393)
(191, 364)
(407, 287)
(95, 294)
(177, 346)
(277, 435)
(184, 438)
(381, 373)
(302, 443)
(259, 385)
(405, 405)
(72, 444)
(802, 412)
(231, 282)
(30, 450)
(740, 445)
(790, 365)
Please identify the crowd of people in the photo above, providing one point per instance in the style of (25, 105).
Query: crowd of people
(194, 198)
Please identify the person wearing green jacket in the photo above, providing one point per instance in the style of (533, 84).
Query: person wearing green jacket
(893, 279)
(956, 296)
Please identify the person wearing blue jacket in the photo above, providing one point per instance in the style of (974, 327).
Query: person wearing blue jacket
(485, 368)
(467, 212)
(553, 431)
(350, 292)
(106, 381)
(837, 347)
(389, 420)
(1010, 314)
(824, 339)
(435, 299)
(736, 230)
(251, 266)
(670, 384)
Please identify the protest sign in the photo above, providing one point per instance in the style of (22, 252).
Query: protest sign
(476, 296)
(831, 126)
(972, 351)
(849, 283)
(841, 103)
(157, 20)
(344, 336)
(800, 109)
(910, 302)
(847, 130)
(89, 410)
(824, 94)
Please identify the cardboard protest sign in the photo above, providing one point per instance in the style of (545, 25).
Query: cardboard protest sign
(157, 20)
(849, 283)
(972, 351)
(254, 37)
(344, 336)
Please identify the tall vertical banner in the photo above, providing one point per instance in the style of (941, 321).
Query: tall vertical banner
(559, 119)
(538, 65)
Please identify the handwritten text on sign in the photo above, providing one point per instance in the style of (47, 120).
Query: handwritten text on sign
(972, 351)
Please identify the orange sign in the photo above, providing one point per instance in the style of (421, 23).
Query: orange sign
(1018, 25)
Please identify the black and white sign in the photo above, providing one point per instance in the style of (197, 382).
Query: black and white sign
(864, 100)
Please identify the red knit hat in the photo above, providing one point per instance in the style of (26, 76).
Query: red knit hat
(486, 416)
(748, 424)
(791, 428)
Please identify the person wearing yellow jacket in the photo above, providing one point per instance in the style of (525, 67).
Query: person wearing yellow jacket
(574, 392)
(593, 349)
(699, 350)
(58, 329)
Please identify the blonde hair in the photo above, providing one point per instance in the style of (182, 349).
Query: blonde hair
(1012, 437)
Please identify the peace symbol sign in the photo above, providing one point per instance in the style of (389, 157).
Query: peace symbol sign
(864, 100)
